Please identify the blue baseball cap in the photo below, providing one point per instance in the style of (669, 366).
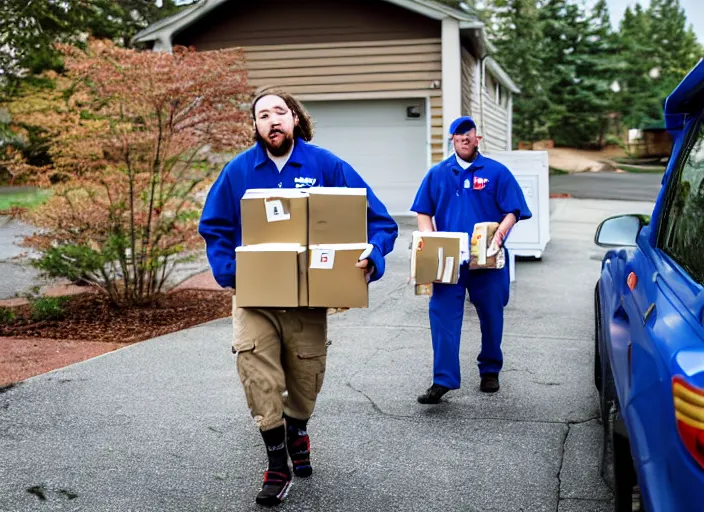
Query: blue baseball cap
(462, 125)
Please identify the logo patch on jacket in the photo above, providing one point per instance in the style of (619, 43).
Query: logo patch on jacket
(480, 183)
(302, 182)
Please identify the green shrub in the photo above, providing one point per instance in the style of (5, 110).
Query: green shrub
(7, 316)
(74, 262)
(48, 308)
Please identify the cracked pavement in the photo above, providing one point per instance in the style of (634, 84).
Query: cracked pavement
(163, 424)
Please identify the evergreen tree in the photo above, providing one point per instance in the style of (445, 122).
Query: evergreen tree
(579, 50)
(675, 45)
(518, 38)
(636, 101)
(31, 28)
(658, 49)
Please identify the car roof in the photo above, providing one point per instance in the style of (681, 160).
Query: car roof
(689, 94)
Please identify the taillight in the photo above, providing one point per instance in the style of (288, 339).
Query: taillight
(689, 411)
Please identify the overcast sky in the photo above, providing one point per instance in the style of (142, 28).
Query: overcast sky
(694, 9)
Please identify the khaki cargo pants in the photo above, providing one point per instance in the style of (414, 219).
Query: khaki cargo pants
(281, 357)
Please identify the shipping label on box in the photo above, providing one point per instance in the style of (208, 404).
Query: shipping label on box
(271, 275)
(274, 216)
(484, 253)
(337, 215)
(436, 257)
(333, 279)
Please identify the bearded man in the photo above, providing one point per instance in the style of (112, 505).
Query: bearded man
(281, 354)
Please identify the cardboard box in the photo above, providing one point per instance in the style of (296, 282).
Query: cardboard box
(274, 216)
(333, 279)
(484, 254)
(271, 275)
(436, 257)
(337, 215)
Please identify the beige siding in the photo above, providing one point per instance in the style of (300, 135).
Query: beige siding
(351, 70)
(383, 66)
(320, 50)
(248, 23)
(470, 105)
(436, 134)
(495, 124)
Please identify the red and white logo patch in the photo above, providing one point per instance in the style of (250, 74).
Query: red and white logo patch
(480, 183)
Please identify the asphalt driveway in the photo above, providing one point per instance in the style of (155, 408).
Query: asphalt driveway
(163, 425)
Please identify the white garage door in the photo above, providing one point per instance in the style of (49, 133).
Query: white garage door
(385, 143)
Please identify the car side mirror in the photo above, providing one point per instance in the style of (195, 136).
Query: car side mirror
(620, 231)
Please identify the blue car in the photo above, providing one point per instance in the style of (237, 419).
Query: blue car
(649, 329)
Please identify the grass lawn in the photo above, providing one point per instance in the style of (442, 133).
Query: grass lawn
(649, 168)
(556, 171)
(23, 197)
(656, 162)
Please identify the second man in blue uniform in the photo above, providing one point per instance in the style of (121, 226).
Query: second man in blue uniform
(465, 189)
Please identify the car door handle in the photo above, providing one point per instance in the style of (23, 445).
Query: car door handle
(648, 312)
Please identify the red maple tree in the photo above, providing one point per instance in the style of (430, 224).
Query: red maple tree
(129, 138)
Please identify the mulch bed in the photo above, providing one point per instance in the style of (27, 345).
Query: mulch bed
(91, 317)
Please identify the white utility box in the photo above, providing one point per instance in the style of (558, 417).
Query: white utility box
(529, 237)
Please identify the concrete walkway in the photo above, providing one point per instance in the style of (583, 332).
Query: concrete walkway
(163, 424)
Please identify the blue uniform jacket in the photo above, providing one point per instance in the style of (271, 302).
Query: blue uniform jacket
(459, 198)
(308, 166)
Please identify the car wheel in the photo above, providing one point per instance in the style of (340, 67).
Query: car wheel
(617, 462)
(597, 339)
(620, 466)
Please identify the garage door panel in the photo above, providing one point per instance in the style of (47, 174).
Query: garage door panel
(378, 139)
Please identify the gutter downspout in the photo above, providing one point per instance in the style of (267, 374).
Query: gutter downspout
(482, 122)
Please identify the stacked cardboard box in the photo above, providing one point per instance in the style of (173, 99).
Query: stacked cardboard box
(272, 275)
(300, 248)
(274, 216)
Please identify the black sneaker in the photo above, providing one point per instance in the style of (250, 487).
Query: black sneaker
(276, 485)
(490, 383)
(298, 443)
(433, 394)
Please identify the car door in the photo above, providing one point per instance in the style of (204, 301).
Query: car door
(665, 302)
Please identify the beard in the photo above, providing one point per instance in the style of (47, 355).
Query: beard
(283, 145)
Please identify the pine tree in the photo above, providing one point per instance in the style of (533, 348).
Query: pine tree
(518, 38)
(635, 97)
(658, 49)
(31, 29)
(676, 49)
(579, 50)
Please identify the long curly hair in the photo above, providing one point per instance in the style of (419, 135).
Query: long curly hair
(304, 128)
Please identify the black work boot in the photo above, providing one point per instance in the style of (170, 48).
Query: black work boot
(433, 394)
(490, 383)
(277, 477)
(298, 444)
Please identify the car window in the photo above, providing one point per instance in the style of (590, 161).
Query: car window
(683, 234)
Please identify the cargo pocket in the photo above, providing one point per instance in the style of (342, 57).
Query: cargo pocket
(319, 381)
(242, 339)
(311, 368)
(240, 345)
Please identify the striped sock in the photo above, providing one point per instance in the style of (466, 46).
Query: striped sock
(298, 444)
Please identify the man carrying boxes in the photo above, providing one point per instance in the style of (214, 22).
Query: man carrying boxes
(467, 195)
(291, 250)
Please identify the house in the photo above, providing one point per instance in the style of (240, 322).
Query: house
(382, 79)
